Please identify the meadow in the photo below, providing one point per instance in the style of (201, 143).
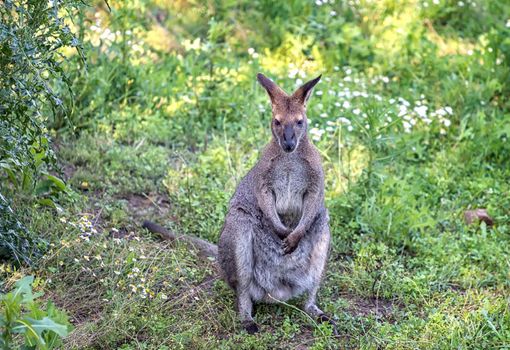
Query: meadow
(160, 115)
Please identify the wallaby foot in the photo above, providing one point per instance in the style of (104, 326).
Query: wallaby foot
(311, 308)
(325, 318)
(245, 305)
(250, 327)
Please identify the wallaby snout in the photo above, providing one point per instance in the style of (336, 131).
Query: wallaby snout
(289, 139)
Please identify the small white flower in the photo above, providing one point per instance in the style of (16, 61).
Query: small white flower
(318, 93)
(448, 110)
(346, 104)
(163, 296)
(344, 120)
(350, 128)
(356, 111)
(447, 122)
(421, 111)
(332, 13)
(251, 51)
(323, 115)
(460, 3)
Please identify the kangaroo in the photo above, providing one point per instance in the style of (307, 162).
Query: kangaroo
(275, 240)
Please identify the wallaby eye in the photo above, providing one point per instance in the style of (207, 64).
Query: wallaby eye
(300, 122)
(277, 122)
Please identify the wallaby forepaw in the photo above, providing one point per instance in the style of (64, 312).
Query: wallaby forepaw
(325, 318)
(289, 245)
(251, 327)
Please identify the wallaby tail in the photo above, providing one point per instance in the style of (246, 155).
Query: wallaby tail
(205, 249)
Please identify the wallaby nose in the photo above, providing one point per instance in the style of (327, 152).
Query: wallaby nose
(289, 139)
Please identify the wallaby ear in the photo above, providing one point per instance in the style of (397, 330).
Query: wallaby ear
(303, 93)
(273, 90)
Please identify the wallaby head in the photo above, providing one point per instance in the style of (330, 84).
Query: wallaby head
(289, 121)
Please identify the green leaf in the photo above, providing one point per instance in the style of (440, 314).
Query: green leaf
(57, 182)
(23, 286)
(33, 328)
(47, 202)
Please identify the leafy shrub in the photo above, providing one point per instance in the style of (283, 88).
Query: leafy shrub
(15, 239)
(32, 35)
(20, 313)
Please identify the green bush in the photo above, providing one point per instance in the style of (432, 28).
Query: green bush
(32, 35)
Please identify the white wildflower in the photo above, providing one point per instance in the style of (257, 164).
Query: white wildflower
(421, 111)
(344, 120)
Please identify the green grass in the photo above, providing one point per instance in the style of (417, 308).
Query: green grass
(166, 134)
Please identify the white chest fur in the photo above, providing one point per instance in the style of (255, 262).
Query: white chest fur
(289, 188)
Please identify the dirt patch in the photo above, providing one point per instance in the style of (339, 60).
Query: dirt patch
(68, 170)
(380, 309)
(147, 205)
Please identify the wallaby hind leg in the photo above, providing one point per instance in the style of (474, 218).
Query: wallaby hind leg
(245, 305)
(236, 260)
(318, 261)
(311, 308)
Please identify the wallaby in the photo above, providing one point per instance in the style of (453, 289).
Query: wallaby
(275, 240)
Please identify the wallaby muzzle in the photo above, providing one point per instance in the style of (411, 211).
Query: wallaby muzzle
(289, 139)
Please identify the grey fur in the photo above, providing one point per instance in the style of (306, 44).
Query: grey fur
(275, 240)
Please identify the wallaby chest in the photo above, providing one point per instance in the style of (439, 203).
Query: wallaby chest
(289, 183)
